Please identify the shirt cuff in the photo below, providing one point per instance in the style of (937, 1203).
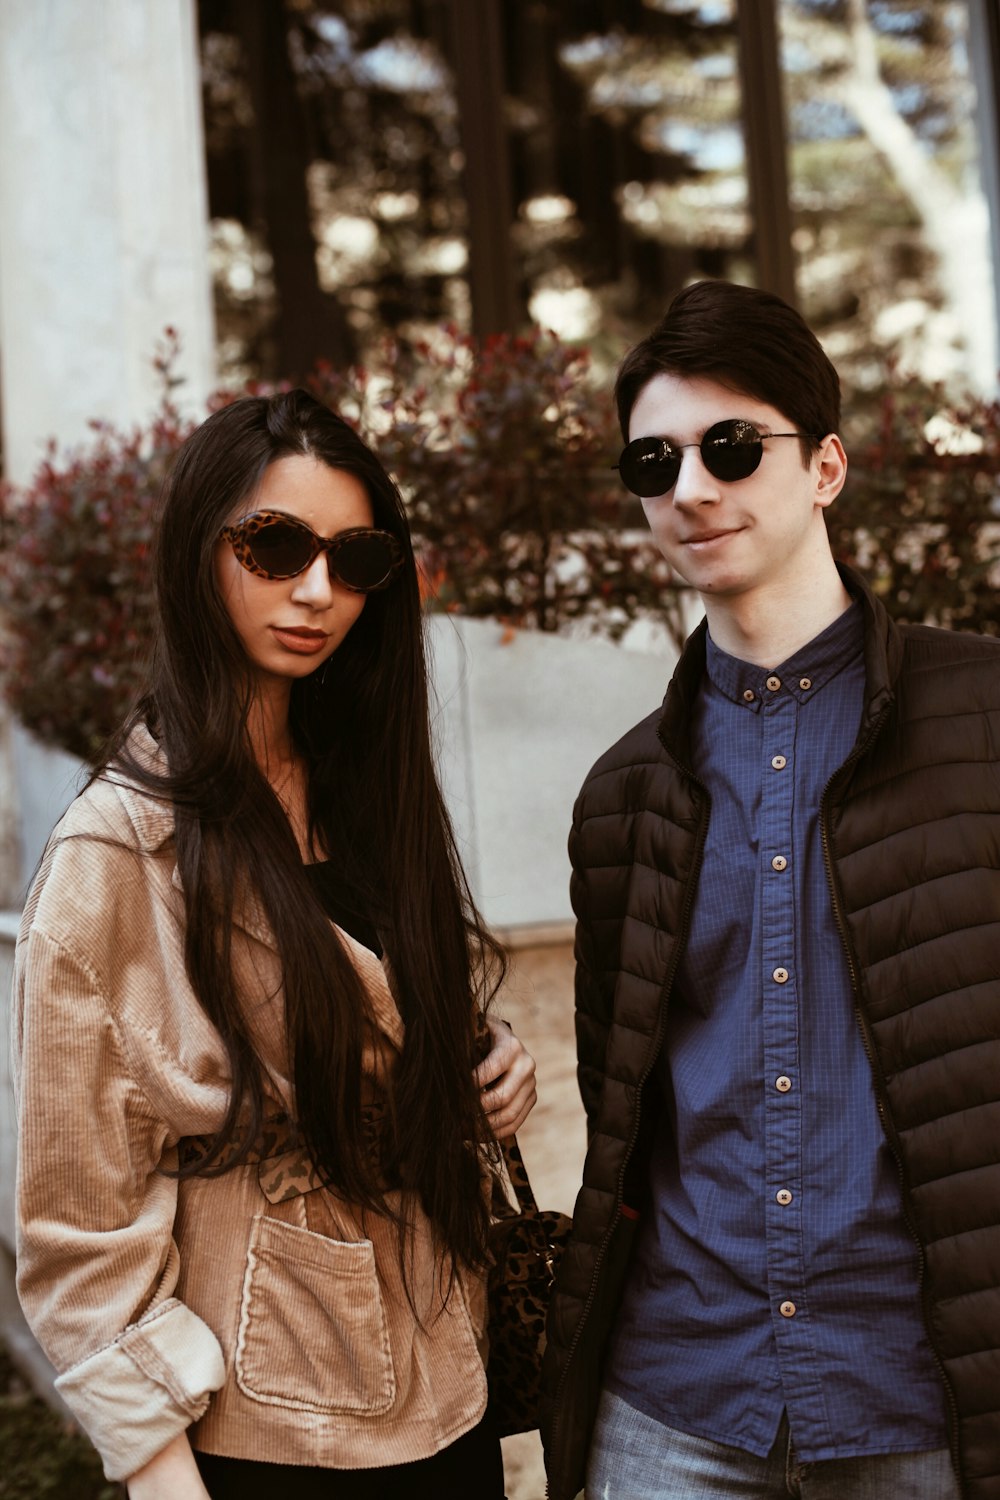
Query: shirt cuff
(133, 1397)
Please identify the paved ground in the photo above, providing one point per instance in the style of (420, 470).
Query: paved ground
(538, 1002)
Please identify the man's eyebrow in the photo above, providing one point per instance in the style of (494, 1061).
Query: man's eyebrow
(761, 426)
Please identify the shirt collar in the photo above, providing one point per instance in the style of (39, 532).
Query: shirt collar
(803, 675)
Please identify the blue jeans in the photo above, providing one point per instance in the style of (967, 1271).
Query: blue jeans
(633, 1457)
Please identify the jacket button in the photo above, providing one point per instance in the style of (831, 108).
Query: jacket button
(780, 976)
(783, 1084)
(778, 762)
(779, 863)
(787, 1309)
(783, 1196)
(773, 684)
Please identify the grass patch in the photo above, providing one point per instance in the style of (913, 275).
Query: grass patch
(41, 1457)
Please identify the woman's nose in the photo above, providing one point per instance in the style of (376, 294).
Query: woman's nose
(314, 585)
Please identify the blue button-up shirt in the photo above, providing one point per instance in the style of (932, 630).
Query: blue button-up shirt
(774, 1270)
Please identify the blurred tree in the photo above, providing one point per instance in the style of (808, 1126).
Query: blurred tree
(351, 108)
(499, 450)
(887, 203)
(396, 148)
(892, 230)
(658, 114)
(620, 152)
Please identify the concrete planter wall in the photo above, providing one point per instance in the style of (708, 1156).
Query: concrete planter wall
(523, 716)
(47, 780)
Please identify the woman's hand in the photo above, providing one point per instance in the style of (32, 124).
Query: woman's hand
(506, 1077)
(171, 1475)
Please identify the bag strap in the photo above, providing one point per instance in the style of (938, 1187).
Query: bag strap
(518, 1174)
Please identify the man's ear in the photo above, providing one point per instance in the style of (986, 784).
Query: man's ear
(830, 468)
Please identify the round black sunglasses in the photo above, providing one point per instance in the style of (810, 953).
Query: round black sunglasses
(730, 450)
(274, 545)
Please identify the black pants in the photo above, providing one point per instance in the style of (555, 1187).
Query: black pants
(469, 1469)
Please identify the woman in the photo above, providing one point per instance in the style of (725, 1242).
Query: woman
(252, 1217)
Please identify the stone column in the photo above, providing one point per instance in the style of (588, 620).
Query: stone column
(103, 214)
(103, 233)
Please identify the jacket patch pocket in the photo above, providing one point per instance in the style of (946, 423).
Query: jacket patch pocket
(312, 1329)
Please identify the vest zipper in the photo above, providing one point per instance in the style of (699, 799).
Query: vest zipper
(647, 1069)
(888, 1128)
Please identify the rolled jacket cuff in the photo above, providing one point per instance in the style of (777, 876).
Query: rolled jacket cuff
(133, 1397)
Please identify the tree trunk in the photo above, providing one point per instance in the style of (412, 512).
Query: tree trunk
(477, 58)
(311, 323)
(952, 220)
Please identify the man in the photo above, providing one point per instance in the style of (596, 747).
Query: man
(784, 1277)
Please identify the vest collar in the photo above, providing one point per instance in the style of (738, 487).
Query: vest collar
(883, 651)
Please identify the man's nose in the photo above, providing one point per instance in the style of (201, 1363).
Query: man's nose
(695, 485)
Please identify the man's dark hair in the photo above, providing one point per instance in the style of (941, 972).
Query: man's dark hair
(749, 340)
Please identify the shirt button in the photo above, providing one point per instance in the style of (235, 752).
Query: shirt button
(784, 1197)
(779, 863)
(748, 695)
(787, 1309)
(780, 976)
(805, 683)
(774, 683)
(783, 1084)
(778, 762)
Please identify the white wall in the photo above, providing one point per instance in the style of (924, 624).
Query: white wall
(103, 214)
(47, 780)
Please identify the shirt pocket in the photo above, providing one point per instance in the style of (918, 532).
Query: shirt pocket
(313, 1332)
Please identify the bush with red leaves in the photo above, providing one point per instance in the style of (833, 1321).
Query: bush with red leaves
(920, 515)
(503, 453)
(75, 629)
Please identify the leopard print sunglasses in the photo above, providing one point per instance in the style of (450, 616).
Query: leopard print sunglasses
(271, 544)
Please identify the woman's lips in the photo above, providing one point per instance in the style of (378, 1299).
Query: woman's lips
(303, 641)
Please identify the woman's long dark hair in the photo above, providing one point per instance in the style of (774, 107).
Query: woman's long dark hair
(361, 722)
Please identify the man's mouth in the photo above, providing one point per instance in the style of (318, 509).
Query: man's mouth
(705, 538)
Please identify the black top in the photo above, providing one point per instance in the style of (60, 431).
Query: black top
(340, 901)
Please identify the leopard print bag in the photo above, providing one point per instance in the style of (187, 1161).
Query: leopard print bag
(526, 1243)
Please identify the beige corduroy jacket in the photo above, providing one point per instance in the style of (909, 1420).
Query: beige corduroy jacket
(253, 1308)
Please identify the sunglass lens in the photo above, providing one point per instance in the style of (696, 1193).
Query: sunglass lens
(280, 548)
(649, 466)
(363, 562)
(732, 450)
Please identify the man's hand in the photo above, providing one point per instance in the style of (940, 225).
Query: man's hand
(506, 1077)
(171, 1475)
